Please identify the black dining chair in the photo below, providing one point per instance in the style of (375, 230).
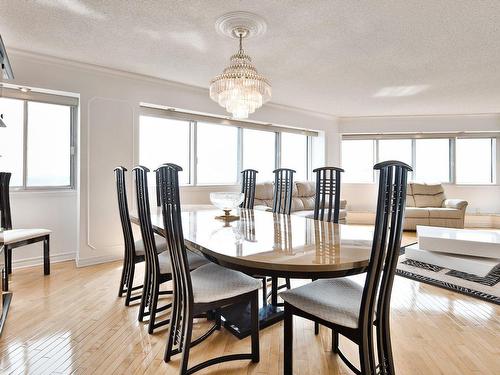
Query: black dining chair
(248, 182)
(158, 268)
(283, 189)
(348, 308)
(282, 204)
(15, 238)
(134, 251)
(327, 200)
(208, 288)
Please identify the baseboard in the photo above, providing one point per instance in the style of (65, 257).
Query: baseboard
(97, 260)
(38, 261)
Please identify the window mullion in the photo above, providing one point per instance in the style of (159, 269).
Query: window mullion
(194, 152)
(277, 161)
(25, 143)
(239, 161)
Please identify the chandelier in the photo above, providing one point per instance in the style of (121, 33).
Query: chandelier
(240, 88)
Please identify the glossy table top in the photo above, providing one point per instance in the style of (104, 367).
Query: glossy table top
(280, 243)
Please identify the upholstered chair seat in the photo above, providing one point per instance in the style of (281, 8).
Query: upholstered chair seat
(194, 260)
(17, 235)
(212, 282)
(161, 245)
(334, 300)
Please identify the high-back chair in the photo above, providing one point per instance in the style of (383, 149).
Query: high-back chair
(283, 188)
(158, 268)
(351, 309)
(14, 238)
(208, 288)
(327, 201)
(248, 181)
(134, 251)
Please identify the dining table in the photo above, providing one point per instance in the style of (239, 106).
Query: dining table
(271, 245)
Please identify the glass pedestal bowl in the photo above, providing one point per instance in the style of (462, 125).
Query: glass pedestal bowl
(227, 201)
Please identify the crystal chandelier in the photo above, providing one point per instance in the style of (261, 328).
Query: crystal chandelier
(240, 88)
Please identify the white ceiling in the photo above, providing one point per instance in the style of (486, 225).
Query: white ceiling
(336, 57)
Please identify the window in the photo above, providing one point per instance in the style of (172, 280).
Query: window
(212, 153)
(33, 128)
(474, 160)
(357, 160)
(259, 150)
(12, 140)
(448, 159)
(395, 149)
(165, 140)
(294, 154)
(49, 125)
(217, 161)
(432, 162)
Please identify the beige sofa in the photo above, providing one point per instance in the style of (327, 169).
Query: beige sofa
(426, 204)
(303, 198)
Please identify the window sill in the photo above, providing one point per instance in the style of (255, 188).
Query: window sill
(43, 192)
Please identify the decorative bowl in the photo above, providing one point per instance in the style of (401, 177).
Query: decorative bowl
(227, 201)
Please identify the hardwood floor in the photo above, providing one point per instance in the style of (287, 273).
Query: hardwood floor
(73, 322)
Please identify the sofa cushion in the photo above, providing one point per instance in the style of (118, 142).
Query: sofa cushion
(264, 191)
(427, 195)
(305, 188)
(445, 213)
(416, 212)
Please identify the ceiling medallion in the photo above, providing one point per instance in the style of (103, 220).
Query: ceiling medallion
(240, 89)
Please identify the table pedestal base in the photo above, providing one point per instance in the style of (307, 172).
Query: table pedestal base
(236, 318)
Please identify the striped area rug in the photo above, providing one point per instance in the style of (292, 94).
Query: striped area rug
(486, 288)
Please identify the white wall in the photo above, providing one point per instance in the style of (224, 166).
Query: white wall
(56, 211)
(483, 199)
(108, 132)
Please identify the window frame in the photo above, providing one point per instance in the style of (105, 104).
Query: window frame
(452, 138)
(193, 167)
(46, 99)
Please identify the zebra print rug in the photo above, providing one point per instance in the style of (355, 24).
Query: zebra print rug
(486, 288)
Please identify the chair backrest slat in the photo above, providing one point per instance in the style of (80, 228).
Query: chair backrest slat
(168, 177)
(248, 182)
(386, 240)
(121, 191)
(144, 213)
(5, 219)
(283, 189)
(327, 201)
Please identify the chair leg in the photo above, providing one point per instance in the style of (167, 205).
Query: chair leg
(129, 281)
(335, 342)
(145, 294)
(218, 319)
(364, 355)
(6, 257)
(384, 347)
(123, 278)
(8, 254)
(153, 305)
(371, 350)
(274, 291)
(172, 329)
(46, 256)
(287, 283)
(188, 330)
(316, 328)
(288, 342)
(255, 327)
(264, 291)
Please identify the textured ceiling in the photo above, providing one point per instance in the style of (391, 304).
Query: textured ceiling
(376, 57)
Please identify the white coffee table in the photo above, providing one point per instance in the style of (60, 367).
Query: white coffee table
(471, 251)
